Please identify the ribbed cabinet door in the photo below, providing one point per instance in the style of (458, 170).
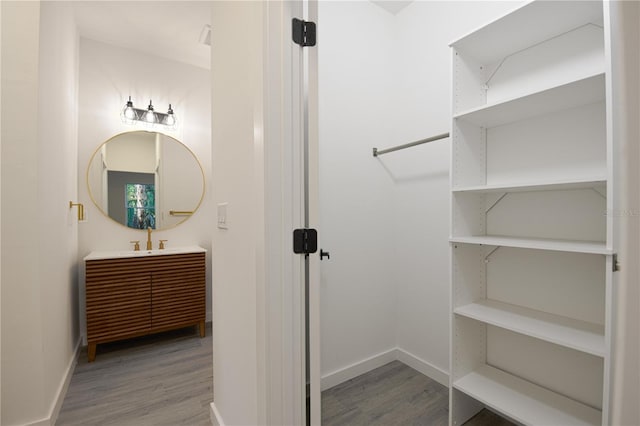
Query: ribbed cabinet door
(118, 305)
(178, 293)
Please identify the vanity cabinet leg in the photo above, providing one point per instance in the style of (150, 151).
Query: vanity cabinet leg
(91, 352)
(202, 329)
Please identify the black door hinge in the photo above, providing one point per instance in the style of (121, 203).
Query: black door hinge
(305, 241)
(304, 32)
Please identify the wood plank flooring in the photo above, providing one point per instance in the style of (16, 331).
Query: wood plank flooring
(163, 379)
(166, 380)
(393, 394)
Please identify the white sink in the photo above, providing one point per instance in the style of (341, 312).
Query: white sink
(132, 253)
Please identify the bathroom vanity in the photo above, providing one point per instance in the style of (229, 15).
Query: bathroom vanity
(134, 293)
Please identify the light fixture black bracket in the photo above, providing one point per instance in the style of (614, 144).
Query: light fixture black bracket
(304, 32)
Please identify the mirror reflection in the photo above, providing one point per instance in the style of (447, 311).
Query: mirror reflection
(145, 179)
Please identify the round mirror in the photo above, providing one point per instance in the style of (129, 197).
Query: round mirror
(145, 179)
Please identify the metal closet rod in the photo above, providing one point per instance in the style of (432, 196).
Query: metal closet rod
(377, 152)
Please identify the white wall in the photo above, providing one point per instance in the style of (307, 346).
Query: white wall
(39, 245)
(123, 154)
(108, 75)
(385, 81)
(356, 103)
(423, 82)
(180, 181)
(21, 301)
(258, 349)
(237, 158)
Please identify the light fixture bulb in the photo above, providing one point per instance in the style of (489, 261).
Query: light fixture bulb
(170, 120)
(129, 113)
(150, 116)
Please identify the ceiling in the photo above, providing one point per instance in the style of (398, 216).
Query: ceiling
(392, 6)
(169, 29)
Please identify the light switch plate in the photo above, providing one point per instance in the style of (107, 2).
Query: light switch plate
(222, 215)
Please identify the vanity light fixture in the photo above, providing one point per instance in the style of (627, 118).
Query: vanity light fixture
(130, 115)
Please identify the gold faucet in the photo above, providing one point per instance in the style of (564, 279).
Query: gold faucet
(149, 245)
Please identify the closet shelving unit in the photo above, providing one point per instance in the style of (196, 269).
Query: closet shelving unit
(532, 249)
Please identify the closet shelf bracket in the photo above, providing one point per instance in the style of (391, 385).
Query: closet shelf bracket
(496, 203)
(486, 258)
(599, 192)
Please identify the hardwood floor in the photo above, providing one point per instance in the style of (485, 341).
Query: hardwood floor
(393, 394)
(166, 380)
(163, 379)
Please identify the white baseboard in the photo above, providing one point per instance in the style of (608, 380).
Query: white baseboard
(62, 390)
(64, 386)
(354, 370)
(216, 418)
(423, 367)
(43, 422)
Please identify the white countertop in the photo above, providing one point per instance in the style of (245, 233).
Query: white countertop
(117, 254)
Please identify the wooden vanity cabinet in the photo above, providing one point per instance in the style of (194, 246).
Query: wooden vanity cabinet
(134, 296)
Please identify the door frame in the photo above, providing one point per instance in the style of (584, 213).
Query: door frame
(313, 215)
(290, 114)
(290, 111)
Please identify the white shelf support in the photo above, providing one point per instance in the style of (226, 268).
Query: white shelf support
(615, 265)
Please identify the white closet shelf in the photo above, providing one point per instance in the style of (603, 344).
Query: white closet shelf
(585, 91)
(590, 247)
(579, 335)
(523, 401)
(599, 182)
(527, 26)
